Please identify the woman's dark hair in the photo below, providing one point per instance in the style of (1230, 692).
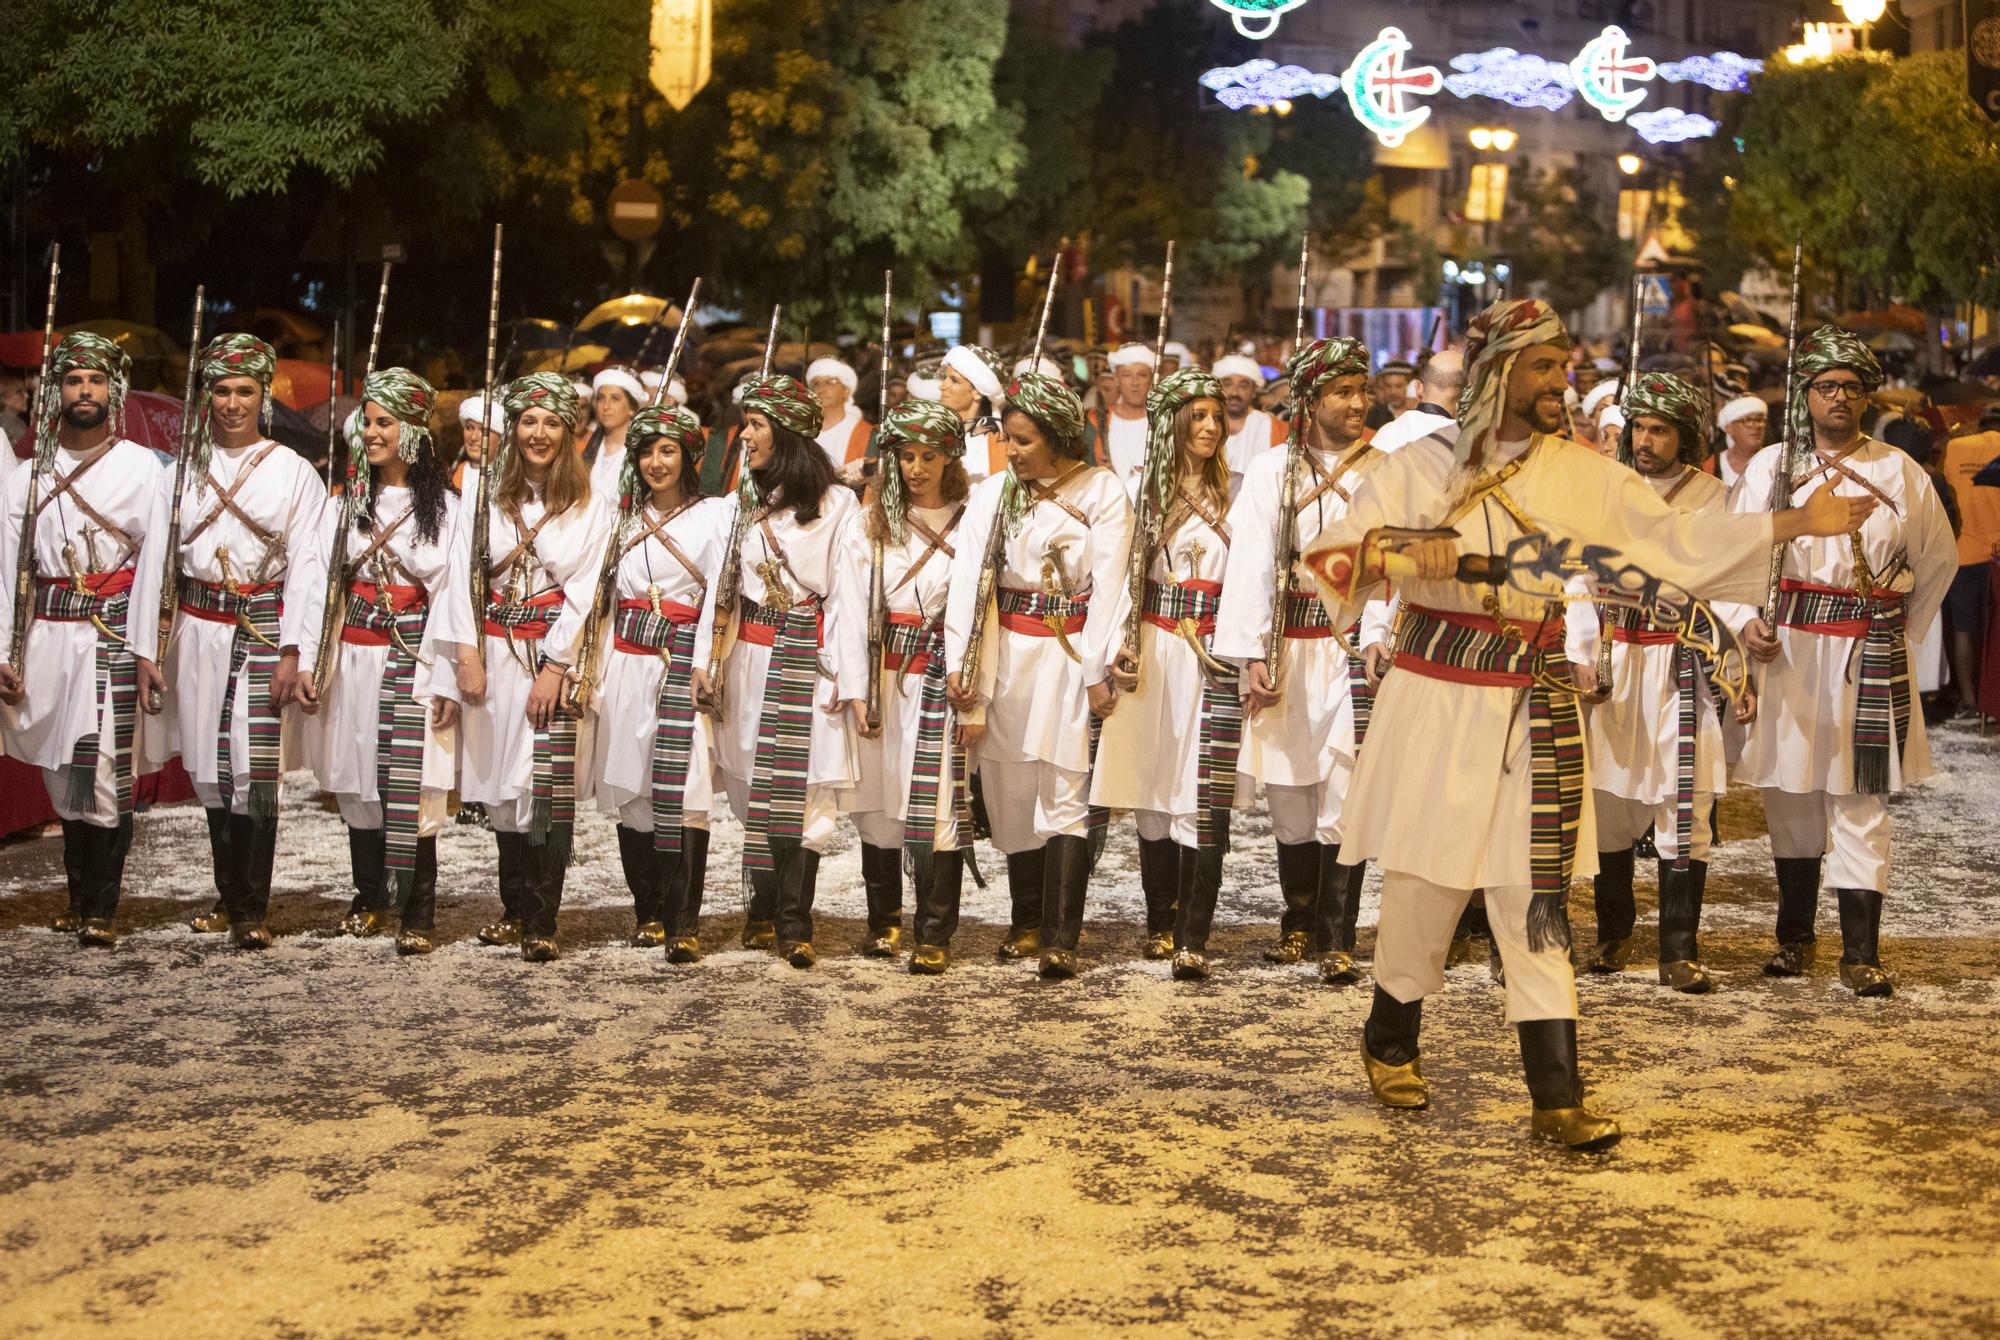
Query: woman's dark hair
(428, 485)
(799, 474)
(690, 464)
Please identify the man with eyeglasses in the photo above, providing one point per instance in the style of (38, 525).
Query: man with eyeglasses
(1836, 734)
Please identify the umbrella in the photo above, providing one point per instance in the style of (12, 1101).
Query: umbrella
(1892, 342)
(634, 309)
(1908, 320)
(1756, 336)
(301, 384)
(153, 420)
(551, 360)
(284, 331)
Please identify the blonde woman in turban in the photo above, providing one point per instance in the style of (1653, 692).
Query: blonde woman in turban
(912, 796)
(1475, 774)
(1840, 729)
(1168, 752)
(1065, 529)
(653, 751)
(387, 745)
(520, 743)
(222, 689)
(793, 683)
(70, 708)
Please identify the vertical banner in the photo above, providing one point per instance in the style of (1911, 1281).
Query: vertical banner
(680, 38)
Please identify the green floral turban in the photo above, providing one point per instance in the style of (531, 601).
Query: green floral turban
(1163, 402)
(1493, 341)
(784, 400)
(1825, 349)
(93, 353)
(410, 399)
(230, 356)
(1055, 407)
(1664, 396)
(679, 427)
(1321, 361)
(923, 423)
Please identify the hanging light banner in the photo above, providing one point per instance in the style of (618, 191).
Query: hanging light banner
(1384, 93)
(1256, 18)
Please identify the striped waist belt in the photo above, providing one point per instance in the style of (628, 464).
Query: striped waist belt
(1167, 603)
(1471, 648)
(60, 601)
(528, 621)
(760, 623)
(639, 631)
(909, 642)
(210, 601)
(1029, 611)
(1883, 694)
(1835, 610)
(369, 624)
(1306, 616)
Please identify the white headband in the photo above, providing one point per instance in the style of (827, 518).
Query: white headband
(924, 388)
(1126, 354)
(1741, 408)
(624, 379)
(496, 413)
(832, 367)
(1047, 367)
(974, 369)
(676, 389)
(1610, 419)
(1236, 365)
(1182, 352)
(1599, 393)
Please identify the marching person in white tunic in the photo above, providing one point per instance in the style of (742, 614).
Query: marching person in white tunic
(845, 436)
(1656, 757)
(221, 690)
(1169, 745)
(912, 796)
(387, 746)
(792, 617)
(1055, 533)
(1837, 733)
(1305, 729)
(508, 665)
(71, 707)
(1475, 774)
(969, 385)
(1118, 430)
(653, 752)
(1252, 432)
(615, 396)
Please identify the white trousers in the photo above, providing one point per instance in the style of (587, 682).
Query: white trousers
(103, 812)
(358, 813)
(822, 814)
(637, 814)
(1303, 813)
(1155, 825)
(1029, 803)
(878, 829)
(210, 794)
(1852, 832)
(1622, 822)
(1414, 934)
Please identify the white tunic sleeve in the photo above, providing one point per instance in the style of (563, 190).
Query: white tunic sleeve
(846, 638)
(142, 615)
(975, 535)
(1110, 516)
(305, 585)
(1243, 616)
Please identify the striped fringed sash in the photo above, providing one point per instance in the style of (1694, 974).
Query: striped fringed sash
(103, 601)
(1882, 699)
(784, 728)
(1023, 611)
(251, 659)
(1636, 628)
(1221, 727)
(1358, 690)
(1473, 649)
(399, 718)
(920, 647)
(1306, 616)
(528, 621)
(669, 634)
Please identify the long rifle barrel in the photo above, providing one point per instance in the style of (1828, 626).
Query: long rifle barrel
(1146, 532)
(170, 575)
(1166, 308)
(878, 600)
(490, 457)
(680, 343)
(1284, 540)
(1781, 484)
(1048, 305)
(24, 568)
(335, 611)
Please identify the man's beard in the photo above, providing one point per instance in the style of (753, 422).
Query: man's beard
(1542, 423)
(86, 414)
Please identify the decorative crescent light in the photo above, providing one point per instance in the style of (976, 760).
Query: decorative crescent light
(1377, 86)
(1602, 69)
(1256, 19)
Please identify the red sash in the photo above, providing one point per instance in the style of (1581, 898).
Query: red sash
(671, 610)
(533, 630)
(402, 599)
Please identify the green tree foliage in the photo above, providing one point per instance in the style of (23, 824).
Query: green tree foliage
(1557, 239)
(1885, 167)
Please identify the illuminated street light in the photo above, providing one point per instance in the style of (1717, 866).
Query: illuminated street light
(1629, 164)
(1503, 139)
(1481, 137)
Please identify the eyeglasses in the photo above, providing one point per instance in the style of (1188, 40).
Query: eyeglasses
(1827, 390)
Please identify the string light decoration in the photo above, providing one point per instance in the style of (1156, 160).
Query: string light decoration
(1670, 125)
(1265, 83)
(1509, 76)
(1724, 71)
(1256, 19)
(1377, 87)
(1603, 70)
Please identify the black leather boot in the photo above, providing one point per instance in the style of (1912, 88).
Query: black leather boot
(76, 859)
(760, 927)
(687, 875)
(1298, 885)
(1616, 912)
(1160, 880)
(1333, 919)
(103, 880)
(1200, 870)
(1680, 922)
(1548, 1056)
(368, 911)
(253, 849)
(420, 912)
(1860, 933)
(1065, 881)
(937, 912)
(641, 863)
(1798, 905)
(798, 880)
(548, 870)
(1389, 1052)
(1025, 870)
(515, 878)
(216, 919)
(882, 877)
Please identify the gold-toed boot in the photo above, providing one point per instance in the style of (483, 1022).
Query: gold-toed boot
(1611, 956)
(930, 960)
(99, 932)
(1337, 968)
(506, 931)
(1020, 943)
(362, 925)
(1057, 965)
(799, 953)
(684, 949)
(1392, 1031)
(1576, 1128)
(760, 935)
(1860, 933)
(884, 943)
(538, 949)
(1291, 947)
(1548, 1056)
(412, 941)
(249, 935)
(1398, 1086)
(1798, 906)
(66, 923)
(1681, 893)
(1159, 880)
(1024, 894)
(649, 935)
(212, 922)
(1190, 966)
(1298, 886)
(1160, 945)
(1611, 889)
(1686, 976)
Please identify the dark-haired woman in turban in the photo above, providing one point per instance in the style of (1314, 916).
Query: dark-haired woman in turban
(653, 751)
(520, 743)
(1044, 669)
(796, 674)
